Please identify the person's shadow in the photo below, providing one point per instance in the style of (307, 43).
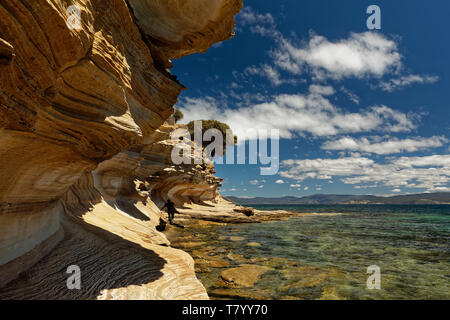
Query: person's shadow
(177, 225)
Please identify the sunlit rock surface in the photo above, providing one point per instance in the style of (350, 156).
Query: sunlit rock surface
(71, 99)
(178, 28)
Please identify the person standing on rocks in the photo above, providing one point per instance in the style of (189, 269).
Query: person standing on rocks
(171, 210)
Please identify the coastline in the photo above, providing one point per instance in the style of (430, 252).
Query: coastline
(234, 275)
(223, 211)
(97, 140)
(319, 255)
(86, 146)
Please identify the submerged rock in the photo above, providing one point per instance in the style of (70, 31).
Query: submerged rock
(236, 257)
(254, 244)
(243, 276)
(331, 294)
(189, 245)
(236, 238)
(231, 293)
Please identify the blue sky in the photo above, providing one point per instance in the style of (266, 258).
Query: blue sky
(359, 111)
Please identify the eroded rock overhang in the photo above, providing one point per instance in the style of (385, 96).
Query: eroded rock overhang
(72, 98)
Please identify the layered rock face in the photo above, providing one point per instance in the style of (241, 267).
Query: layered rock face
(72, 98)
(187, 26)
(183, 184)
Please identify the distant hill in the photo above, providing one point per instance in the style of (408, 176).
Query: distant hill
(423, 198)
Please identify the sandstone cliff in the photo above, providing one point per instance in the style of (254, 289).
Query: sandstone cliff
(85, 157)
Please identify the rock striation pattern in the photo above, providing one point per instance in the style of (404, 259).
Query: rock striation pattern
(178, 28)
(81, 110)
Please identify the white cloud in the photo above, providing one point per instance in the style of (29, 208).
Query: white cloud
(266, 31)
(254, 182)
(261, 186)
(248, 16)
(279, 181)
(298, 113)
(269, 72)
(429, 172)
(435, 160)
(366, 186)
(352, 96)
(283, 60)
(441, 189)
(360, 55)
(406, 81)
(295, 186)
(217, 45)
(397, 190)
(321, 90)
(393, 145)
(205, 108)
(262, 24)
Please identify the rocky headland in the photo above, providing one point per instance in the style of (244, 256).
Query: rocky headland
(85, 146)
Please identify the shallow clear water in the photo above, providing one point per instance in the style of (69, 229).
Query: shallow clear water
(327, 256)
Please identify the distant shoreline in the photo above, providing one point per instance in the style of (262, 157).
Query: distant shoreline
(344, 204)
(442, 198)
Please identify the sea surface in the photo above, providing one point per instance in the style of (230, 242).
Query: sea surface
(326, 257)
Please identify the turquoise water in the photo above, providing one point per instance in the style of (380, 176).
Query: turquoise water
(327, 256)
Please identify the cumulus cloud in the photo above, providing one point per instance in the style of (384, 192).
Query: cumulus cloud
(359, 55)
(429, 172)
(393, 145)
(279, 181)
(428, 161)
(406, 81)
(365, 187)
(441, 189)
(256, 182)
(321, 90)
(293, 114)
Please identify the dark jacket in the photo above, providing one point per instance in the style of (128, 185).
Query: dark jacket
(170, 207)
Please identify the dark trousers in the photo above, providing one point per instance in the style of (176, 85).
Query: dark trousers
(171, 216)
